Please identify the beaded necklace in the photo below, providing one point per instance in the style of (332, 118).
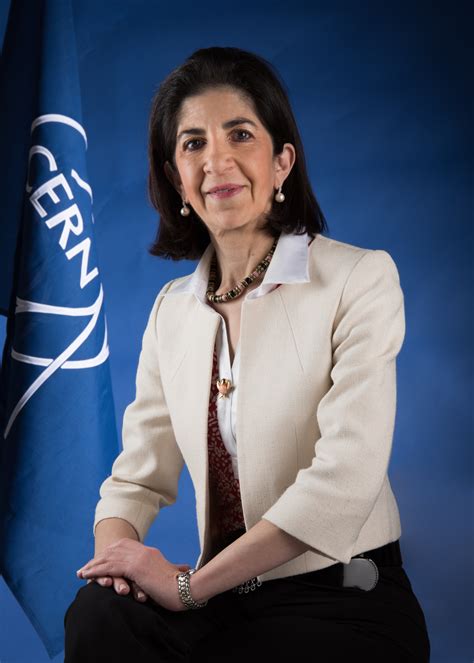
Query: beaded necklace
(239, 288)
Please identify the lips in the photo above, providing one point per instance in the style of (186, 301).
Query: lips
(225, 187)
(222, 194)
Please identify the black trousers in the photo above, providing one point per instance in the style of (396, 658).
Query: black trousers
(304, 618)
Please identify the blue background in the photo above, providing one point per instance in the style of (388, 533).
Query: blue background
(381, 94)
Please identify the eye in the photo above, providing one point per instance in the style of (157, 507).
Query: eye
(188, 142)
(243, 131)
(198, 140)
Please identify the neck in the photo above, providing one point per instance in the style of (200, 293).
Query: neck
(238, 257)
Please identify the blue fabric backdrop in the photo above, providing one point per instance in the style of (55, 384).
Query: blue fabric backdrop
(381, 92)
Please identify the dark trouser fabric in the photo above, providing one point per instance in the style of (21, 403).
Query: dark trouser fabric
(297, 618)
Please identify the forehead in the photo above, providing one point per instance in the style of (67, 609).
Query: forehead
(216, 102)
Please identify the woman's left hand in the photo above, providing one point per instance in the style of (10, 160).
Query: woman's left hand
(146, 566)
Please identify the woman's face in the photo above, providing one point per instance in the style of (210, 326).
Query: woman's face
(220, 141)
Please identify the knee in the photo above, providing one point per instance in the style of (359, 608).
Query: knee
(90, 625)
(91, 608)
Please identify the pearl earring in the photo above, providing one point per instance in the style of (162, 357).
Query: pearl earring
(185, 211)
(280, 197)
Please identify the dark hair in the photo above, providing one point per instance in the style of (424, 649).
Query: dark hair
(254, 77)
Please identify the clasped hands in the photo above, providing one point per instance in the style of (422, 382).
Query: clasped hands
(145, 566)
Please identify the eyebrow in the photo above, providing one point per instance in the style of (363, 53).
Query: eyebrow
(226, 125)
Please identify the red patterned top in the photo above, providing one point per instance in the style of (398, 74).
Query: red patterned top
(224, 487)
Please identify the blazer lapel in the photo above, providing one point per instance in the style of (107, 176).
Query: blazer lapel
(186, 367)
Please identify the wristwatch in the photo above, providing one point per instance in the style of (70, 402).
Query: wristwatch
(184, 590)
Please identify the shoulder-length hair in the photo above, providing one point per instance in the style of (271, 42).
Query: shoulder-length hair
(255, 78)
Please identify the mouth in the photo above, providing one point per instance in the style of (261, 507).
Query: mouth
(225, 192)
(223, 187)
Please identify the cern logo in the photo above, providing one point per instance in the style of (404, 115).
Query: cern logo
(56, 211)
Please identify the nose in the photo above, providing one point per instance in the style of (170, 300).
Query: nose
(218, 158)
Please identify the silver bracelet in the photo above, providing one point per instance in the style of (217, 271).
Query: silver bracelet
(184, 590)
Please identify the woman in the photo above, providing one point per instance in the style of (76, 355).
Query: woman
(270, 372)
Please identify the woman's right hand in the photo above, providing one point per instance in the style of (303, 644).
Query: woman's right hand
(121, 586)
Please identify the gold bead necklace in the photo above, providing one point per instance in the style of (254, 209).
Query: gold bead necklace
(239, 288)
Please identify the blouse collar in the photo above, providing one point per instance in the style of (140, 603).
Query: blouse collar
(289, 264)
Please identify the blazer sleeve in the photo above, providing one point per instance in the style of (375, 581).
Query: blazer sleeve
(145, 474)
(330, 500)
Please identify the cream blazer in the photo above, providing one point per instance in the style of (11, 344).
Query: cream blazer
(316, 409)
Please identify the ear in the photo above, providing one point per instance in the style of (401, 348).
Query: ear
(173, 177)
(284, 163)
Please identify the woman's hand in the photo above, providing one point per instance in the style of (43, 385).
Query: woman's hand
(145, 567)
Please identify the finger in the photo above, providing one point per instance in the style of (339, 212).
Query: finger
(138, 592)
(106, 581)
(102, 570)
(121, 586)
(90, 564)
(93, 565)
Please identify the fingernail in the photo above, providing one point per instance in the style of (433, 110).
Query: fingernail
(122, 588)
(140, 595)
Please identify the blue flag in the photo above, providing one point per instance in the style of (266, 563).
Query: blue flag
(57, 419)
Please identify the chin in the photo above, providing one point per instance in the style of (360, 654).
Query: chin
(230, 223)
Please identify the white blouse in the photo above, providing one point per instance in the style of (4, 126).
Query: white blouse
(289, 264)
